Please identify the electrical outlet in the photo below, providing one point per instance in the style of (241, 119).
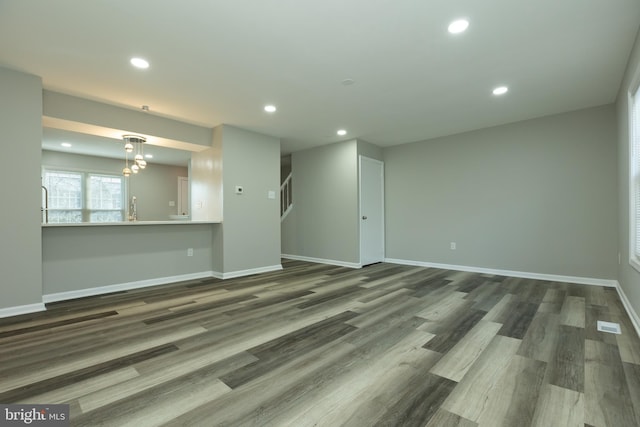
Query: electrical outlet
(190, 252)
(239, 189)
(453, 246)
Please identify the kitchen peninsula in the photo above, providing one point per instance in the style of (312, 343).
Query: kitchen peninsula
(82, 259)
(58, 262)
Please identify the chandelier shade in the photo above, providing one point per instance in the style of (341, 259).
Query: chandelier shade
(134, 144)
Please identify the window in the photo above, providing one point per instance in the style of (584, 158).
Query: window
(84, 196)
(634, 184)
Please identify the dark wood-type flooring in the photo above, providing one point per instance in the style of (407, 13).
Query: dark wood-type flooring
(386, 345)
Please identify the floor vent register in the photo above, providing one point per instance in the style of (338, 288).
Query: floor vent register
(610, 327)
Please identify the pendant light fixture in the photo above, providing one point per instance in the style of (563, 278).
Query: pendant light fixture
(134, 144)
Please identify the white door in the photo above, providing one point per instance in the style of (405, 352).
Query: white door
(371, 183)
(183, 195)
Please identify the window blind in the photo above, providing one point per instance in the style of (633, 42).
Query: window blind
(84, 196)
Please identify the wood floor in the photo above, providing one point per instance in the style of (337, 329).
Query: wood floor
(386, 345)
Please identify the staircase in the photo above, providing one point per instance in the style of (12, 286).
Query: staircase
(286, 198)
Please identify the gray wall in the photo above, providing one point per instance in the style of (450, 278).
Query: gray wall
(172, 133)
(285, 167)
(20, 139)
(367, 149)
(154, 187)
(288, 232)
(83, 257)
(535, 196)
(212, 178)
(628, 277)
(251, 226)
(324, 221)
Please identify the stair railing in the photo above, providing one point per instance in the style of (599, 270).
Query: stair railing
(286, 197)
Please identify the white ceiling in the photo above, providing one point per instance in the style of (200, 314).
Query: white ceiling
(221, 61)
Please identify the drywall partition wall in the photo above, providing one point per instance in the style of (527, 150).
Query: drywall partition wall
(251, 226)
(324, 222)
(210, 183)
(79, 260)
(536, 196)
(628, 277)
(63, 111)
(154, 187)
(20, 239)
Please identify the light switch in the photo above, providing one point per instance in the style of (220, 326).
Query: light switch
(271, 194)
(172, 203)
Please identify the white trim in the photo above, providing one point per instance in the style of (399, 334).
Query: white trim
(249, 272)
(101, 290)
(633, 89)
(22, 309)
(129, 223)
(322, 261)
(635, 319)
(510, 273)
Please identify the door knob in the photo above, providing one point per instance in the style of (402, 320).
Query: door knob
(364, 217)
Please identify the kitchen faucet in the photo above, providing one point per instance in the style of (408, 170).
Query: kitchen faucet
(133, 209)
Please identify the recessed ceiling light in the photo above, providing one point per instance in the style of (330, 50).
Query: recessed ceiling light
(342, 132)
(458, 26)
(140, 63)
(66, 144)
(148, 156)
(270, 108)
(500, 90)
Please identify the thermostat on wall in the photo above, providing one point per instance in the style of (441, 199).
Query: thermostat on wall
(239, 189)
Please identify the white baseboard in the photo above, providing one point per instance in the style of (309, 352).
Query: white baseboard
(635, 319)
(249, 272)
(510, 273)
(22, 309)
(101, 290)
(322, 261)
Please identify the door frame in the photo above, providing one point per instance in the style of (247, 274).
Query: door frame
(360, 220)
(180, 209)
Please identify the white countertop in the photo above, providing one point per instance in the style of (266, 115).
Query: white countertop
(127, 223)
